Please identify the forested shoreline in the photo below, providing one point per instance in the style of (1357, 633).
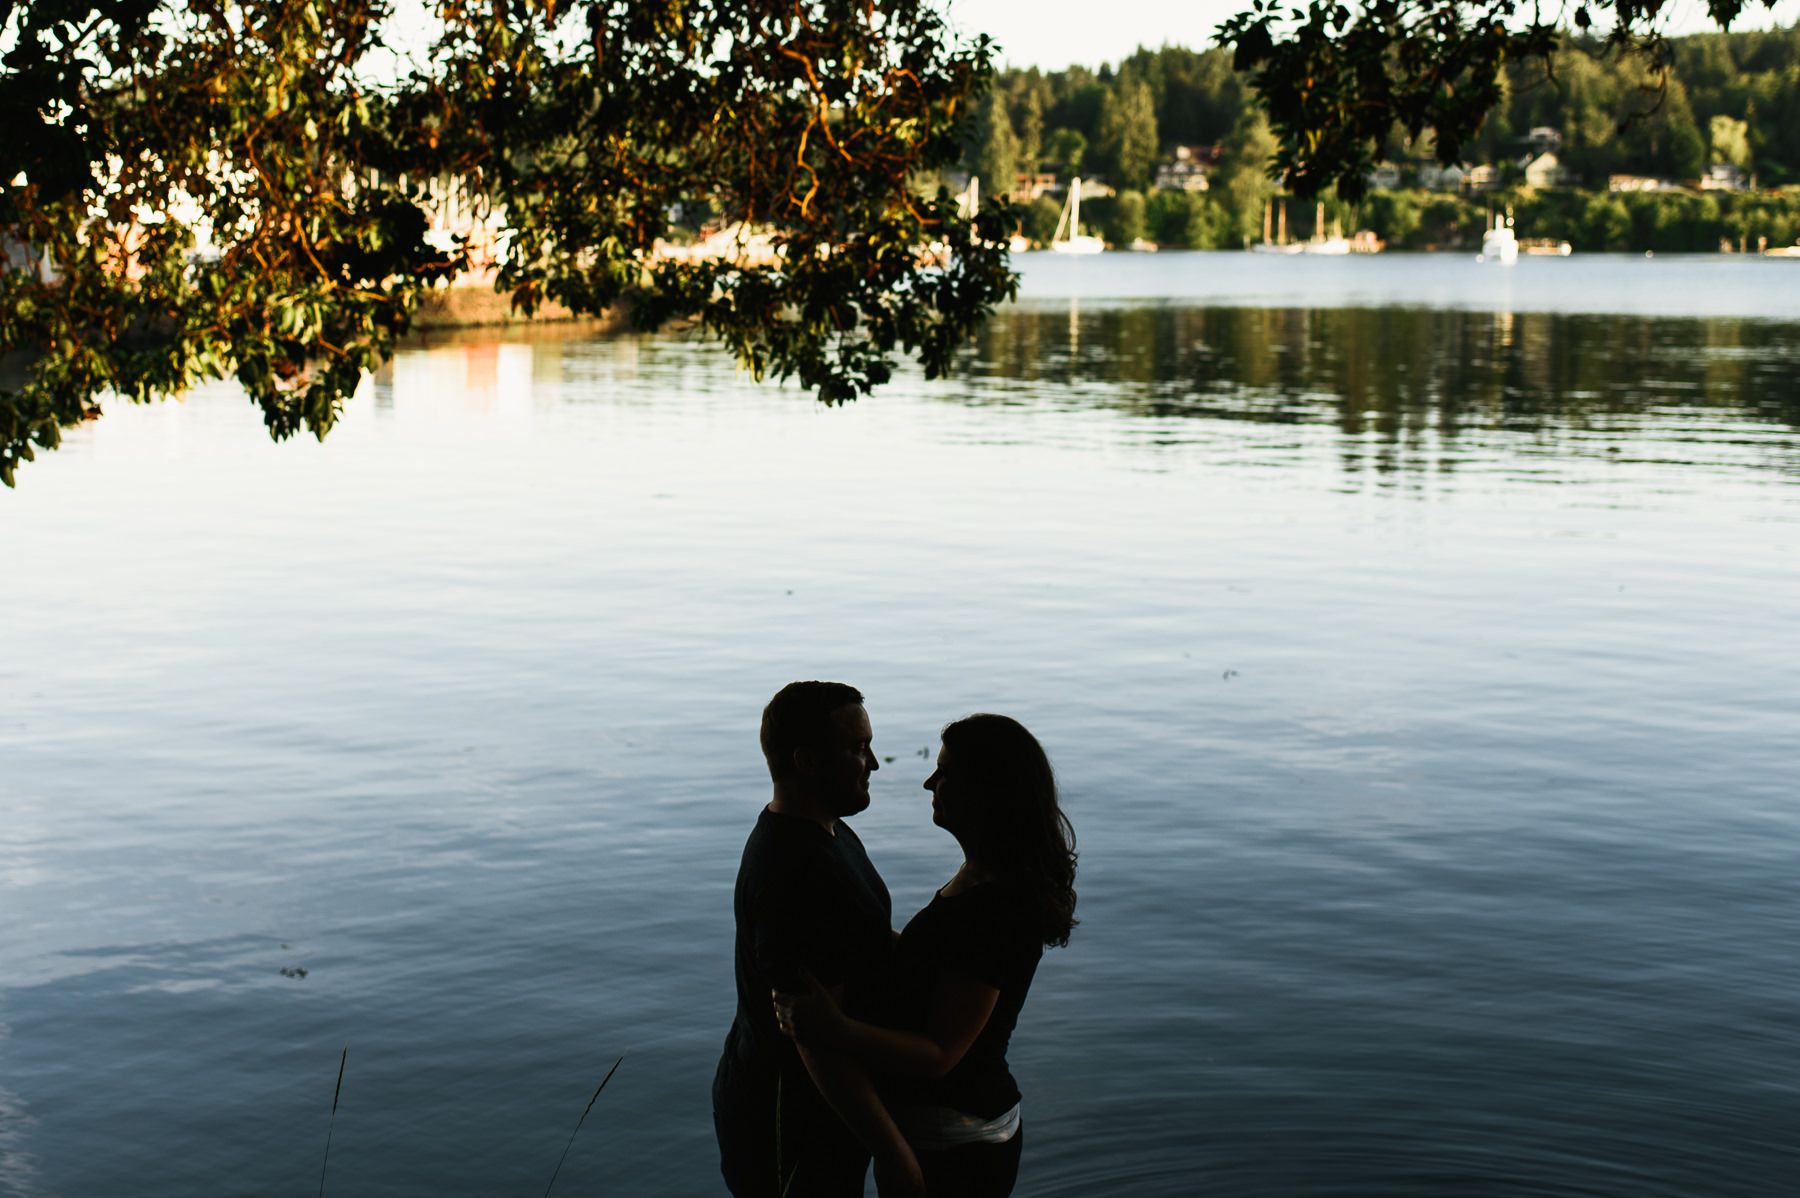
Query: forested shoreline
(1730, 98)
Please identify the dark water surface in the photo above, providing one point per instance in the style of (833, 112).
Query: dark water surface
(1421, 672)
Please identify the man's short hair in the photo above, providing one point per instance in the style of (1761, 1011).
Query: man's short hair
(799, 717)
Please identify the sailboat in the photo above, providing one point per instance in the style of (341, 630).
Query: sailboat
(968, 205)
(1321, 244)
(1280, 244)
(1499, 244)
(1076, 242)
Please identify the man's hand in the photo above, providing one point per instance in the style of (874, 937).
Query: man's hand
(813, 1018)
(899, 1175)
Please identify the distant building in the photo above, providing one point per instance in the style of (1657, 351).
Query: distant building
(1188, 171)
(1030, 187)
(1545, 171)
(1482, 178)
(1544, 140)
(1384, 174)
(1433, 177)
(1724, 176)
(1639, 183)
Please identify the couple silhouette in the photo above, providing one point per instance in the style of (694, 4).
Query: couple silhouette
(854, 1043)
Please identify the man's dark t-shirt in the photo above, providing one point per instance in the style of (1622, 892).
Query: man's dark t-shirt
(805, 897)
(988, 934)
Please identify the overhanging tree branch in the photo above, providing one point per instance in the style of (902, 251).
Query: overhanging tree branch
(212, 191)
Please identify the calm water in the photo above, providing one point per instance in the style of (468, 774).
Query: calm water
(1420, 666)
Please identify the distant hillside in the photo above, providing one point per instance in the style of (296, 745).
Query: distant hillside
(1733, 98)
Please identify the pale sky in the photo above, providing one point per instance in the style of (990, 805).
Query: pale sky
(1054, 33)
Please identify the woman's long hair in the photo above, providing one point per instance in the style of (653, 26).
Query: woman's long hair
(1012, 824)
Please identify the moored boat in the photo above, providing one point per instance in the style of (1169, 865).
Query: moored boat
(1076, 242)
(1499, 244)
(1279, 243)
(1337, 243)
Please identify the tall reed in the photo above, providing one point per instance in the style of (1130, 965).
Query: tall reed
(331, 1126)
(580, 1121)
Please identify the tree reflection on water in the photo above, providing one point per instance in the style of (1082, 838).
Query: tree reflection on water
(1401, 376)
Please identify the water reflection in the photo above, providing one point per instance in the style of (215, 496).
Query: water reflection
(1401, 376)
(1428, 847)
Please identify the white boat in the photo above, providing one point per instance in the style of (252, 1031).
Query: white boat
(1499, 244)
(968, 204)
(1076, 242)
(1337, 243)
(1280, 244)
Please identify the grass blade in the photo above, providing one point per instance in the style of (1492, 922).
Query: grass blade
(580, 1121)
(330, 1127)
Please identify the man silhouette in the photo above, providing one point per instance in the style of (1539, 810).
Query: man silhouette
(795, 1122)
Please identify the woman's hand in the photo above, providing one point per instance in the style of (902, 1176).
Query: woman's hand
(814, 1018)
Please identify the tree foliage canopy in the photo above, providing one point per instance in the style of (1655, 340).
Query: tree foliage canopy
(1336, 80)
(216, 188)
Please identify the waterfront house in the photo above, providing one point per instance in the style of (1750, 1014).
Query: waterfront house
(1724, 176)
(1545, 170)
(1187, 171)
(1384, 174)
(1433, 177)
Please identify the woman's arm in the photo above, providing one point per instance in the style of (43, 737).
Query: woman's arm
(845, 1085)
(960, 1007)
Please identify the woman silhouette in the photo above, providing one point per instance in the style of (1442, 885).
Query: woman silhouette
(963, 965)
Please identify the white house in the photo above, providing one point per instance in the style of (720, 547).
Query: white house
(1186, 173)
(1482, 178)
(1433, 177)
(1384, 174)
(1724, 176)
(1544, 170)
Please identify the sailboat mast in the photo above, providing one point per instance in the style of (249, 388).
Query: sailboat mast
(1075, 208)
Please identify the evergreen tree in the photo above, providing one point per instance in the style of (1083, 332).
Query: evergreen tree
(1244, 173)
(1127, 133)
(1031, 127)
(997, 162)
(1041, 217)
(1128, 218)
(1068, 150)
(1730, 141)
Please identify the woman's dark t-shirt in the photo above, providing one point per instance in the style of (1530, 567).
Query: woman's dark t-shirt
(987, 934)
